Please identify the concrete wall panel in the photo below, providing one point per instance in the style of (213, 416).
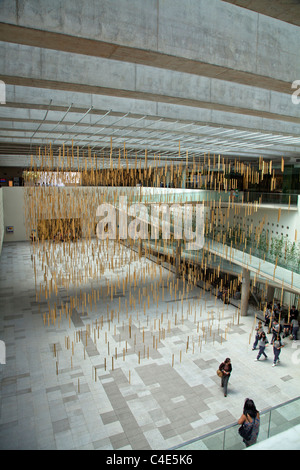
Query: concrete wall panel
(213, 32)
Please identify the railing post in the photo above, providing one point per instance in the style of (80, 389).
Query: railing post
(269, 425)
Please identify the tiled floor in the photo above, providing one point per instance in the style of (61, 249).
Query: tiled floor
(56, 392)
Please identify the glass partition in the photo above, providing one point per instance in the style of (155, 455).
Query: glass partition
(272, 421)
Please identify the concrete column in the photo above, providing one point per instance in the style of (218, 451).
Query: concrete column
(245, 292)
(270, 293)
(183, 179)
(140, 247)
(178, 258)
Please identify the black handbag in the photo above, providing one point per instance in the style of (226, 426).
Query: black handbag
(246, 431)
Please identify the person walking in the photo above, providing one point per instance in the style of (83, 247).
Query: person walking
(226, 369)
(250, 422)
(259, 329)
(262, 343)
(275, 330)
(277, 346)
(268, 316)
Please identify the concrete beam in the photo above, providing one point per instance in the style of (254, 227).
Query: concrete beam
(25, 102)
(41, 68)
(284, 10)
(212, 39)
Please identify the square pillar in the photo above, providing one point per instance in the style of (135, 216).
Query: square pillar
(245, 292)
(178, 258)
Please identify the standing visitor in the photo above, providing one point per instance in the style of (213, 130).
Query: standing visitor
(294, 313)
(249, 421)
(286, 328)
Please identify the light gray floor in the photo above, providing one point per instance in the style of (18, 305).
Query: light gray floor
(165, 403)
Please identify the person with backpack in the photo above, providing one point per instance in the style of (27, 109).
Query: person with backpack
(250, 422)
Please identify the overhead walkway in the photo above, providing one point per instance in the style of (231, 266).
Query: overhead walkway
(282, 273)
(234, 259)
(284, 277)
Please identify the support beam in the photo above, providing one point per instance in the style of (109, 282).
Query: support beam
(245, 292)
(178, 258)
(48, 69)
(67, 43)
(213, 39)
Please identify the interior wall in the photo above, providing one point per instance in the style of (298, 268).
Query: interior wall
(13, 214)
(277, 225)
(14, 209)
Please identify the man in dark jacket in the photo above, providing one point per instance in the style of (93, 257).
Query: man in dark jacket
(226, 369)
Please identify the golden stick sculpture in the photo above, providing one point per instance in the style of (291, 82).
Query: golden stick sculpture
(68, 256)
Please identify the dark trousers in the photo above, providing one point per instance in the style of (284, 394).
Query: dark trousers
(295, 332)
(261, 351)
(276, 354)
(225, 380)
(255, 341)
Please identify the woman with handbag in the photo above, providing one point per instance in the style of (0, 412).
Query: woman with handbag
(249, 421)
(225, 368)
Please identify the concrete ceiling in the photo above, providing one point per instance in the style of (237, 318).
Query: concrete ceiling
(172, 78)
(283, 10)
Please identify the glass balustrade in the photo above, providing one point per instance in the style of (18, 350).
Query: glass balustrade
(272, 421)
(261, 249)
(181, 196)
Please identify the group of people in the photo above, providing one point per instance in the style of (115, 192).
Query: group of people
(69, 236)
(250, 418)
(223, 295)
(262, 341)
(290, 327)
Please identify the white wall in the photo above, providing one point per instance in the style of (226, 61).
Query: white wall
(13, 210)
(288, 222)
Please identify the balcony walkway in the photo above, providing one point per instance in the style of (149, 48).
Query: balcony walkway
(285, 278)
